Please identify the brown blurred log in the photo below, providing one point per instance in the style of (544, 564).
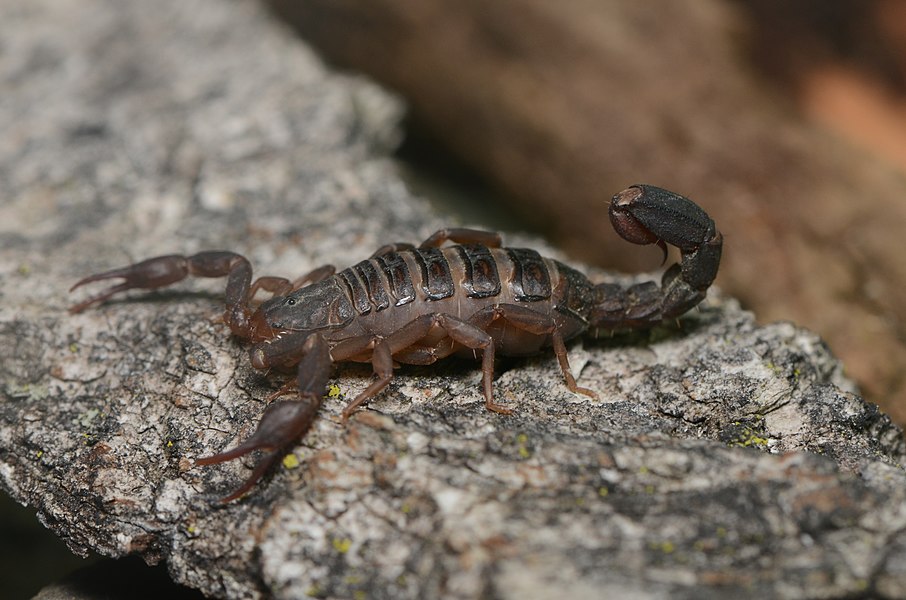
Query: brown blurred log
(561, 102)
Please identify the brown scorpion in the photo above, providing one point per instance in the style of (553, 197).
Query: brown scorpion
(417, 305)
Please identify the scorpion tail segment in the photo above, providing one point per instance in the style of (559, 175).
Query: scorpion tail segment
(645, 214)
(282, 424)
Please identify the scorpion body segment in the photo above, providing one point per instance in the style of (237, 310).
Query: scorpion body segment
(413, 305)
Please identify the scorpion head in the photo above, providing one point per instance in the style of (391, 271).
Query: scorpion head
(319, 306)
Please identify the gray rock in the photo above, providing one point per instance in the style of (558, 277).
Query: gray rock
(721, 457)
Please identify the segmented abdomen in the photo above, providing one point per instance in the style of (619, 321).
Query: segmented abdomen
(434, 274)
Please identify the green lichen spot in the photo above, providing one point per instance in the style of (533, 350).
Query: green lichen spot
(73, 347)
(603, 491)
(342, 545)
(24, 269)
(359, 595)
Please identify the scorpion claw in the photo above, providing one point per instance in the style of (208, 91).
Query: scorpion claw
(282, 424)
(148, 274)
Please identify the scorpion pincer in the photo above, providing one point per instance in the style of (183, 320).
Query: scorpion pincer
(418, 305)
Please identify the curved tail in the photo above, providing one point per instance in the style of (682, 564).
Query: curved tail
(644, 214)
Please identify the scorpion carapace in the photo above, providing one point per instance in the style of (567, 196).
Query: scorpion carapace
(417, 305)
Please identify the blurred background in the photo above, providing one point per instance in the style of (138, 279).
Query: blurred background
(786, 121)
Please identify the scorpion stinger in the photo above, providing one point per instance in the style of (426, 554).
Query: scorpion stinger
(644, 214)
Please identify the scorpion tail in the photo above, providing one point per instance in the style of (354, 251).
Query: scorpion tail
(644, 214)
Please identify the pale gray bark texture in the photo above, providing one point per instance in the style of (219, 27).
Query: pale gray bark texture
(721, 457)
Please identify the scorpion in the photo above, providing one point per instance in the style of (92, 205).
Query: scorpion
(416, 305)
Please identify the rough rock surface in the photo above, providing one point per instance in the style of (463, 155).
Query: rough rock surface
(721, 457)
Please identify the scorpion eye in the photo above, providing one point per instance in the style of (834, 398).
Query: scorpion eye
(290, 301)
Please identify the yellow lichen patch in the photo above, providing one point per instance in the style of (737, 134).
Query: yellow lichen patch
(666, 546)
(333, 391)
(748, 438)
(290, 461)
(342, 545)
(522, 441)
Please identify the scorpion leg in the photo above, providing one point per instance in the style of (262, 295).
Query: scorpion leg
(645, 214)
(463, 333)
(462, 235)
(283, 423)
(388, 248)
(314, 276)
(401, 341)
(381, 361)
(162, 271)
(526, 319)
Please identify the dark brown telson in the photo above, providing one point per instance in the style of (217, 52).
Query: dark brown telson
(397, 274)
(482, 280)
(356, 291)
(437, 280)
(372, 279)
(531, 281)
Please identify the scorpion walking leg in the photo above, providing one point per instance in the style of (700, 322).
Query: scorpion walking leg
(283, 423)
(457, 235)
(381, 361)
(526, 319)
(314, 276)
(461, 235)
(645, 214)
(405, 338)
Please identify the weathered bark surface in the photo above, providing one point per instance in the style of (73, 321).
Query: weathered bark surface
(561, 103)
(721, 457)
